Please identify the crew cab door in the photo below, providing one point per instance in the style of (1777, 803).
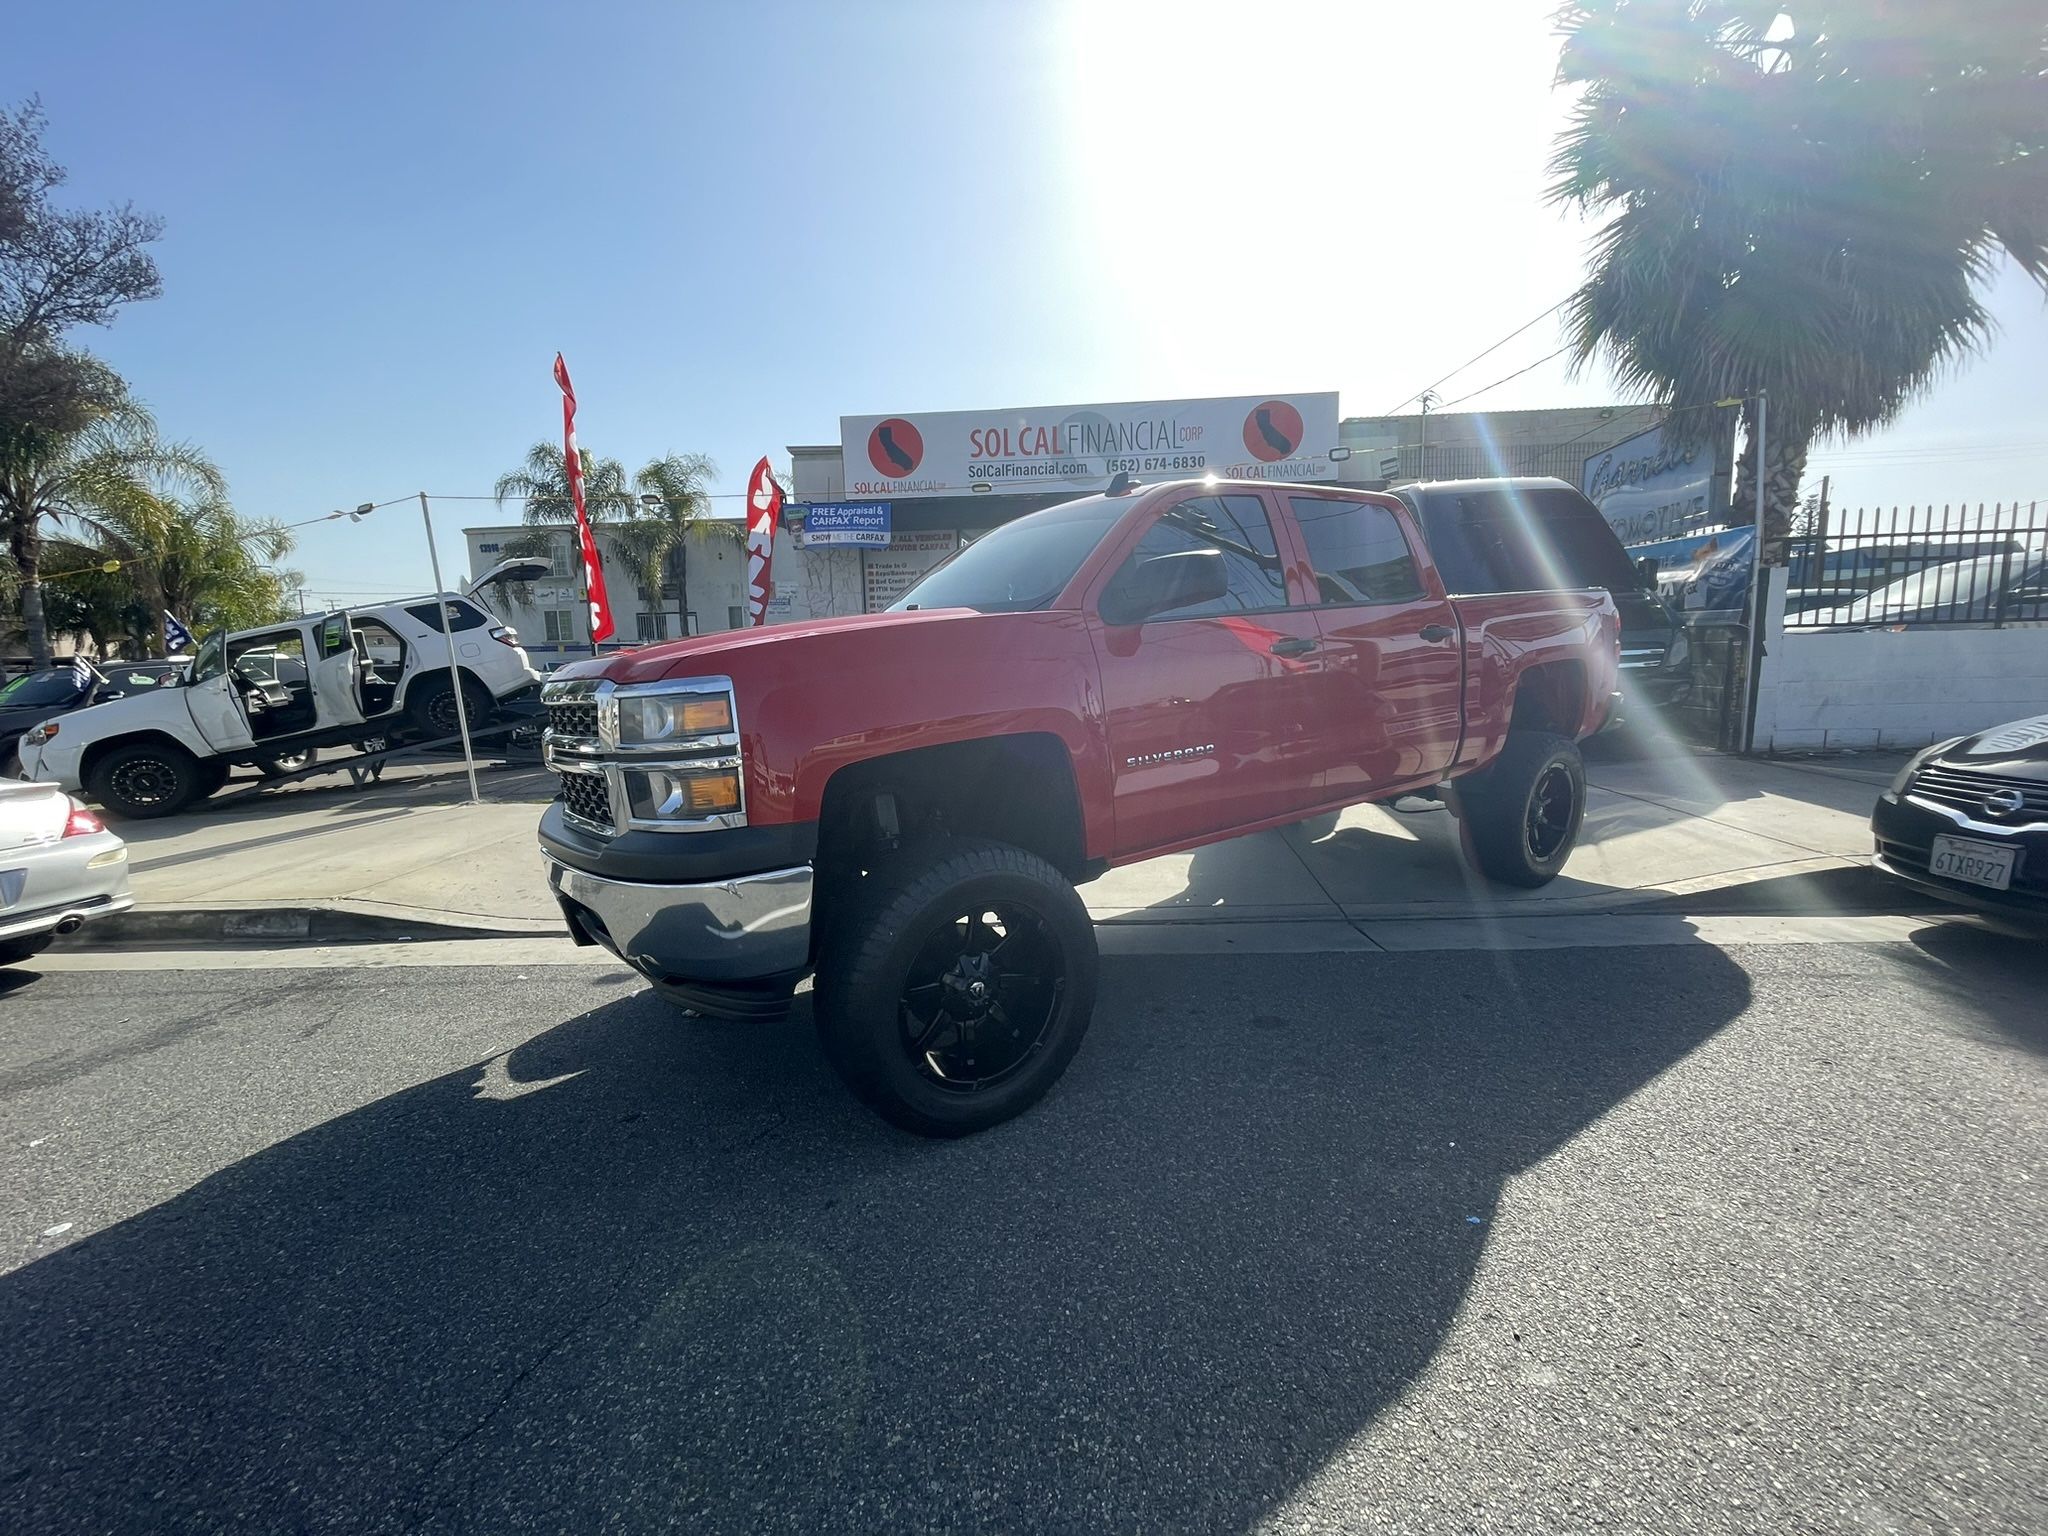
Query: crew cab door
(337, 674)
(1208, 675)
(213, 700)
(1391, 645)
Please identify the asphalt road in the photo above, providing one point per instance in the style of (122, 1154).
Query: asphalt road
(1665, 1239)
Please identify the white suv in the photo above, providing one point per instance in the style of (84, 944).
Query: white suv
(263, 695)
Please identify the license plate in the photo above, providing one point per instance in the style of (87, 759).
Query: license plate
(1985, 864)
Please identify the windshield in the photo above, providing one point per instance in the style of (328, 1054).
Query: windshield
(1021, 566)
(208, 663)
(40, 690)
(1521, 541)
(1956, 585)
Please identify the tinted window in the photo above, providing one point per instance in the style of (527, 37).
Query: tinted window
(1020, 566)
(1235, 527)
(460, 616)
(42, 690)
(1523, 541)
(1358, 551)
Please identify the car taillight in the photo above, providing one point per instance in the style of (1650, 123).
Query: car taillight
(505, 634)
(82, 823)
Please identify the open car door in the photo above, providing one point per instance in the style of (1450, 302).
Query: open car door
(213, 699)
(337, 674)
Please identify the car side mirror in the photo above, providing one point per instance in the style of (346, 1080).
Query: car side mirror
(1161, 583)
(1646, 568)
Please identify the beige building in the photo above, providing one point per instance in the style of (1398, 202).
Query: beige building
(705, 592)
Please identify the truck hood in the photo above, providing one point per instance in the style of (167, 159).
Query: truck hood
(147, 708)
(703, 653)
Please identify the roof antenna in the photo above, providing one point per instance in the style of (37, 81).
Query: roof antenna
(1122, 483)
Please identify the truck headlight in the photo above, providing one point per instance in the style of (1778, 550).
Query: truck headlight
(660, 718)
(681, 792)
(36, 735)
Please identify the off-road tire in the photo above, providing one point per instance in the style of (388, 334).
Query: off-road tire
(1510, 834)
(14, 951)
(866, 959)
(430, 705)
(119, 779)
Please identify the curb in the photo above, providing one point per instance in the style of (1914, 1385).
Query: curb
(186, 927)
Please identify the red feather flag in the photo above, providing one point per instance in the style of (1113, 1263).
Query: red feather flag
(764, 506)
(601, 627)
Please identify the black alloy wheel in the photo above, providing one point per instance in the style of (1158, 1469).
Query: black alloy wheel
(146, 779)
(955, 984)
(146, 782)
(981, 996)
(1552, 813)
(1519, 817)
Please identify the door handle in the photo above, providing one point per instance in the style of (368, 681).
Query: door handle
(1436, 632)
(1292, 645)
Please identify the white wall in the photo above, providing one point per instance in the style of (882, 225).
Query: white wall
(1875, 688)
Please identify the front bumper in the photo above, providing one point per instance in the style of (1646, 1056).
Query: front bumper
(1905, 828)
(53, 886)
(745, 933)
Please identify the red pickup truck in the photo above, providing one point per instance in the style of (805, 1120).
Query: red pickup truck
(904, 802)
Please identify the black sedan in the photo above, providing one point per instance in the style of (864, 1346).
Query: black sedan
(1967, 820)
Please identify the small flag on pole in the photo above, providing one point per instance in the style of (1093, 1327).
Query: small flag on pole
(572, 463)
(176, 636)
(764, 505)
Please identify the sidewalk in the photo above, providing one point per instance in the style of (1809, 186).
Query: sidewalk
(1680, 833)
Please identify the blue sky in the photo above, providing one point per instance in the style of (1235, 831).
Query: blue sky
(741, 221)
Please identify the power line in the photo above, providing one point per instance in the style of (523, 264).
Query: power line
(1496, 384)
(1511, 335)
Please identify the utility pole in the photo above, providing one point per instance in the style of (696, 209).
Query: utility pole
(1759, 583)
(1429, 398)
(454, 671)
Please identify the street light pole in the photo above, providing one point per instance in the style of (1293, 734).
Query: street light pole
(1759, 583)
(454, 671)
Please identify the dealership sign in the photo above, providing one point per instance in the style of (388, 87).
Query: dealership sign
(1653, 486)
(847, 522)
(1079, 447)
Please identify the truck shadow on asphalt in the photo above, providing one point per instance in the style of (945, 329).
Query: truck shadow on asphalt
(644, 1270)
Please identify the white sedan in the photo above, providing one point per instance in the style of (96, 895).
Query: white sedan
(59, 868)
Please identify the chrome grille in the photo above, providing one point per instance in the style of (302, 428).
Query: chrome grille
(574, 717)
(585, 797)
(1964, 789)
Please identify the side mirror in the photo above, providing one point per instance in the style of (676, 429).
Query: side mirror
(1646, 568)
(1161, 583)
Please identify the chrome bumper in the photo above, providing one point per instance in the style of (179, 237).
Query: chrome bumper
(738, 930)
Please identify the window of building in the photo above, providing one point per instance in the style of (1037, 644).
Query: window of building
(1359, 552)
(650, 626)
(557, 626)
(1237, 528)
(735, 617)
(561, 559)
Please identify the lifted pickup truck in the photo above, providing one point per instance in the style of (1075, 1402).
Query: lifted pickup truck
(904, 802)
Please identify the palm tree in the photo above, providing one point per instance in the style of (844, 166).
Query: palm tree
(674, 507)
(1808, 207)
(111, 472)
(541, 487)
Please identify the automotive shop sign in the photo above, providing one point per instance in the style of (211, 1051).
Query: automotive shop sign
(1653, 487)
(847, 522)
(1078, 447)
